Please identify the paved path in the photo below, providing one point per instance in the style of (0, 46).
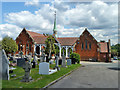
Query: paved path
(92, 75)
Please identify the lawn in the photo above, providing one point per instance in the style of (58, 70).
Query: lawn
(39, 80)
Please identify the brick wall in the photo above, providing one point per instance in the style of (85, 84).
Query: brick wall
(88, 53)
(25, 39)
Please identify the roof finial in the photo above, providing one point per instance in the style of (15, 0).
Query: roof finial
(86, 28)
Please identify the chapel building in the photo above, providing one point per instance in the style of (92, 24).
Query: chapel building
(85, 45)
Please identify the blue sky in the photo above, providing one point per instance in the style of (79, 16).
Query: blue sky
(98, 16)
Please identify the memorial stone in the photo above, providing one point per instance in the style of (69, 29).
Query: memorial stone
(60, 61)
(27, 67)
(56, 62)
(35, 59)
(33, 64)
(68, 61)
(21, 54)
(20, 62)
(5, 66)
(63, 61)
(44, 69)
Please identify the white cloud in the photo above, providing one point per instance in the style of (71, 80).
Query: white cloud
(32, 3)
(9, 30)
(99, 17)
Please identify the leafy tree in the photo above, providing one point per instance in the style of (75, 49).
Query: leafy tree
(9, 45)
(50, 47)
(115, 50)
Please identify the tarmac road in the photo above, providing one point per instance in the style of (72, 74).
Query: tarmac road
(91, 75)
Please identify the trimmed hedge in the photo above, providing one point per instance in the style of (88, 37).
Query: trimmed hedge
(75, 57)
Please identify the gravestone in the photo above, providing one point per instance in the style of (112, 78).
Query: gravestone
(29, 57)
(35, 58)
(56, 63)
(21, 54)
(27, 67)
(20, 62)
(64, 61)
(33, 64)
(68, 61)
(5, 66)
(44, 69)
(42, 58)
(60, 61)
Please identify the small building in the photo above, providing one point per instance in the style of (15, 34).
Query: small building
(85, 45)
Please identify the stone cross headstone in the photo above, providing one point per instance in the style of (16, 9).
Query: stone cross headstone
(29, 57)
(27, 67)
(5, 66)
(63, 61)
(68, 61)
(56, 62)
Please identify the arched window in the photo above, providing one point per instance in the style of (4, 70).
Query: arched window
(29, 47)
(90, 46)
(85, 44)
(82, 46)
(18, 47)
(26, 46)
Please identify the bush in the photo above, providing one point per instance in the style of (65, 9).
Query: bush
(75, 58)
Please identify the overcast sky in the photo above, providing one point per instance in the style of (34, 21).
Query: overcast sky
(101, 18)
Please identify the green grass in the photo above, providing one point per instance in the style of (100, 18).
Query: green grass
(39, 80)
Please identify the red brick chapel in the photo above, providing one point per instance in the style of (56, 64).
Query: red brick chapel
(85, 45)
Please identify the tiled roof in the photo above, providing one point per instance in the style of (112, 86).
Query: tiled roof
(38, 38)
(68, 41)
(103, 47)
(32, 34)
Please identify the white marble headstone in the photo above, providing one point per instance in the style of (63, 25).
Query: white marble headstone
(44, 68)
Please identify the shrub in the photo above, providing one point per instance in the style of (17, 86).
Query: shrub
(75, 57)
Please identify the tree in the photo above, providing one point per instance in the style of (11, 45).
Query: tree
(115, 50)
(9, 45)
(50, 47)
